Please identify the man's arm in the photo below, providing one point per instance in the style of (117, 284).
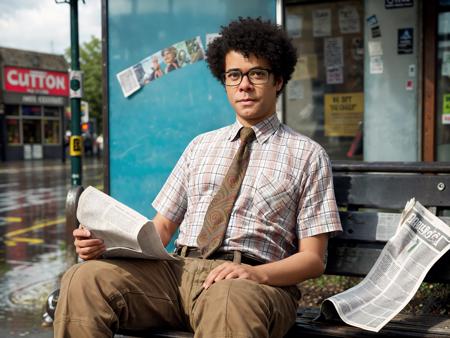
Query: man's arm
(165, 227)
(307, 263)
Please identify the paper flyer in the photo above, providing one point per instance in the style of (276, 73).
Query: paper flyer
(343, 113)
(375, 48)
(335, 75)
(322, 22)
(128, 81)
(294, 25)
(376, 64)
(333, 51)
(159, 64)
(349, 20)
(295, 90)
(306, 67)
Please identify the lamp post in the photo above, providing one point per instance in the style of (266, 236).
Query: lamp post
(76, 93)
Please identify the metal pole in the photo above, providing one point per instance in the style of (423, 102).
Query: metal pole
(76, 143)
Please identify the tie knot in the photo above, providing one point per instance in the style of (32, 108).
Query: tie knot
(246, 134)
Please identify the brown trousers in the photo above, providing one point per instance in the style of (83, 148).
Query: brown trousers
(99, 297)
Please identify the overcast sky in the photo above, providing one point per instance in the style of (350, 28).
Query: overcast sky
(44, 25)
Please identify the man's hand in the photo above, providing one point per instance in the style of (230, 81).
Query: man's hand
(229, 270)
(305, 264)
(86, 246)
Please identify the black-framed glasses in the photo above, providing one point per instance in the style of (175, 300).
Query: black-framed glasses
(256, 76)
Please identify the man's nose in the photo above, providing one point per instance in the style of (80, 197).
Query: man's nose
(245, 83)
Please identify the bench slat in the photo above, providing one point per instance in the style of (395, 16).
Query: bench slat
(391, 191)
(349, 258)
(371, 226)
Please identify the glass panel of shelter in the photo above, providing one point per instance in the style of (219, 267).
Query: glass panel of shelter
(347, 49)
(324, 99)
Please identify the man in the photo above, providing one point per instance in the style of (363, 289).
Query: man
(170, 58)
(240, 256)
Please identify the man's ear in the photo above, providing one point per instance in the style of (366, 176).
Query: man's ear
(279, 83)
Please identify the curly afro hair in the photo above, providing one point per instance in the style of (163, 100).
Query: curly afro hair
(254, 36)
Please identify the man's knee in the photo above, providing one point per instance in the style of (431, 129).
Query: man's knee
(87, 274)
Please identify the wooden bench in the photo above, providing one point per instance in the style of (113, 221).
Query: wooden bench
(371, 197)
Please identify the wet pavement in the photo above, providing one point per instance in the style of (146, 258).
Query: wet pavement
(33, 239)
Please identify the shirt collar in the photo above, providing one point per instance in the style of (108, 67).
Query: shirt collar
(263, 130)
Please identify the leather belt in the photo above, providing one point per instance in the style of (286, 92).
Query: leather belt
(234, 256)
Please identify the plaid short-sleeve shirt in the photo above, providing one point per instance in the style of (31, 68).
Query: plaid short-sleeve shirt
(287, 193)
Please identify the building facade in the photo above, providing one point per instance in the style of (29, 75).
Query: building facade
(33, 96)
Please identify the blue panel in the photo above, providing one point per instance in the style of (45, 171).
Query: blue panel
(150, 129)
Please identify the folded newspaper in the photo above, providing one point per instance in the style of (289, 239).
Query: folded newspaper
(420, 240)
(125, 232)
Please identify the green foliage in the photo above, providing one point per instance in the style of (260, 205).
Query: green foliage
(431, 298)
(91, 65)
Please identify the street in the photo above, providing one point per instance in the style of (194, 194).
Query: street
(33, 239)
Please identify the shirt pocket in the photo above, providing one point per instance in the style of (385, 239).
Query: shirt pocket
(275, 198)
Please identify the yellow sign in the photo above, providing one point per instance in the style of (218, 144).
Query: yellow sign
(76, 145)
(343, 113)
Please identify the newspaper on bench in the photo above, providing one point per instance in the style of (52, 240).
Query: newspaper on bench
(125, 232)
(420, 240)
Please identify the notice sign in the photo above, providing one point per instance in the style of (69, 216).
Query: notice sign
(446, 109)
(322, 23)
(349, 20)
(333, 50)
(405, 41)
(343, 112)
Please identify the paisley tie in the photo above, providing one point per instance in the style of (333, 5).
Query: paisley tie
(219, 210)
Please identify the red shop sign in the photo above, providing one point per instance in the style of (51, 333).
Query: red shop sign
(34, 81)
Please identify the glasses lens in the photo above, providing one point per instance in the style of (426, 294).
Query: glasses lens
(258, 76)
(232, 77)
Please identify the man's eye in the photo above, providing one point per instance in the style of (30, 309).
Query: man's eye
(233, 75)
(257, 73)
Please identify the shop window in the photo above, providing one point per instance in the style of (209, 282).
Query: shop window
(13, 130)
(11, 110)
(32, 132)
(443, 89)
(31, 111)
(51, 111)
(324, 99)
(51, 132)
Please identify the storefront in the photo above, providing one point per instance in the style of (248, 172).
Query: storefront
(33, 95)
(372, 81)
